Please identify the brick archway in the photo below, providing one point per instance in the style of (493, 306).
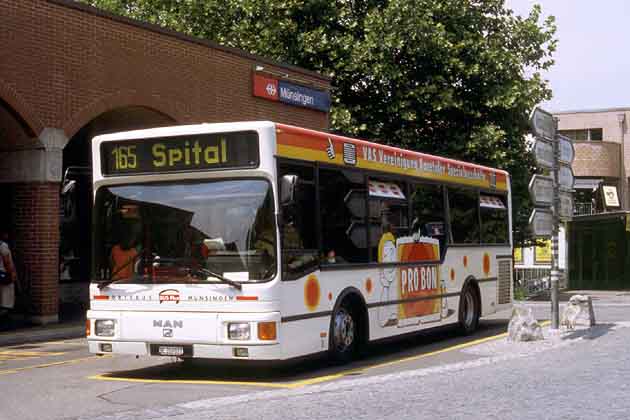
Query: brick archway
(124, 99)
(20, 109)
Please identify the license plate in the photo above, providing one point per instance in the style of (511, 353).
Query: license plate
(170, 350)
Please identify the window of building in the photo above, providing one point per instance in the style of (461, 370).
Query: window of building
(588, 134)
(298, 233)
(464, 216)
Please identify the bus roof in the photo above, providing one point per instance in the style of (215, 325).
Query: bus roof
(304, 144)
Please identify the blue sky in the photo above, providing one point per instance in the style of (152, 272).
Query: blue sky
(592, 66)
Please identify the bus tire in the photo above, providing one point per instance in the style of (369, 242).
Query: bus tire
(469, 310)
(344, 334)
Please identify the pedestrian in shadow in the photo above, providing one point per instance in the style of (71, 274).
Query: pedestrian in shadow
(8, 276)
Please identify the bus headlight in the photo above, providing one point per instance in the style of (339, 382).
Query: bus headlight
(104, 327)
(238, 331)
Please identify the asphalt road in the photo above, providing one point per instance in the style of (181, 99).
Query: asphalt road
(434, 375)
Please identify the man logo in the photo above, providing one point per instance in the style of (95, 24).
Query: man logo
(167, 326)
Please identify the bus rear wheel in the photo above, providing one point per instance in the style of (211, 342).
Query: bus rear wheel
(344, 334)
(468, 311)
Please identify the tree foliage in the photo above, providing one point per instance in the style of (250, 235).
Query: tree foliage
(456, 78)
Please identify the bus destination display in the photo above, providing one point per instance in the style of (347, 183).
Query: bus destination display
(181, 153)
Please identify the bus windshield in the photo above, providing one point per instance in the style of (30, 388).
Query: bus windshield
(193, 232)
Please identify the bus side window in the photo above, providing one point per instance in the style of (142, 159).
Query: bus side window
(427, 213)
(342, 201)
(388, 212)
(298, 234)
(464, 214)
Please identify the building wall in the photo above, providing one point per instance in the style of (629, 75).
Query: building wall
(68, 63)
(601, 159)
(65, 68)
(596, 159)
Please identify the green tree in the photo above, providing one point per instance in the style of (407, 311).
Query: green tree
(456, 78)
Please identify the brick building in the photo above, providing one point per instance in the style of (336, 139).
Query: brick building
(69, 72)
(602, 155)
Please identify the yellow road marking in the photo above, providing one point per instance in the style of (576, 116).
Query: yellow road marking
(22, 355)
(311, 381)
(45, 365)
(191, 381)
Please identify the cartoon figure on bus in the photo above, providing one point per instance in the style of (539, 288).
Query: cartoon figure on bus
(415, 283)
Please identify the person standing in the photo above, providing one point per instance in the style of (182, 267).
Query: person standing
(8, 274)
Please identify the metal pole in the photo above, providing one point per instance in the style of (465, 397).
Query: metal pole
(555, 308)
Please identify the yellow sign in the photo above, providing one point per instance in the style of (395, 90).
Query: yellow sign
(542, 254)
(518, 255)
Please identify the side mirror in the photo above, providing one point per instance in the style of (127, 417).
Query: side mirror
(288, 184)
(68, 187)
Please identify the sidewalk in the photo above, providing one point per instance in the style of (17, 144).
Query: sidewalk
(604, 296)
(34, 334)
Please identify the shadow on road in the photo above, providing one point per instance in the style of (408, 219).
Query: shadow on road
(591, 333)
(244, 372)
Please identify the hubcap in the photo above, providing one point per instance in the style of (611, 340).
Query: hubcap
(469, 309)
(344, 330)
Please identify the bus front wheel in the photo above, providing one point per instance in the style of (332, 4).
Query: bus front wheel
(343, 334)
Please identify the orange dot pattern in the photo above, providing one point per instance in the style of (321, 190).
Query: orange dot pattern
(465, 260)
(312, 293)
(486, 264)
(369, 286)
(452, 274)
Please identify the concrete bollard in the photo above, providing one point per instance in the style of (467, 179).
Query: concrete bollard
(579, 311)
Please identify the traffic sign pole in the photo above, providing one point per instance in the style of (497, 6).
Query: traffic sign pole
(555, 308)
(555, 152)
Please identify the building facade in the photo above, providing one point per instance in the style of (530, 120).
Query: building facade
(69, 72)
(602, 157)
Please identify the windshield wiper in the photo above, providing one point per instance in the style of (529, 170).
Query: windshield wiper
(216, 276)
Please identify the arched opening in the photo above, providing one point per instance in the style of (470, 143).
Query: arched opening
(16, 136)
(76, 200)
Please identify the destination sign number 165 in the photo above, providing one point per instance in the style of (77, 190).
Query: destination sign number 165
(125, 157)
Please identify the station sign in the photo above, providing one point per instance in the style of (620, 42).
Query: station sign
(541, 190)
(289, 93)
(541, 222)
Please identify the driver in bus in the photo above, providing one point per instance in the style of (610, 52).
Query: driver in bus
(124, 255)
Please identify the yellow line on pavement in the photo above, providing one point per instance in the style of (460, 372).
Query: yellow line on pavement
(45, 365)
(311, 381)
(190, 381)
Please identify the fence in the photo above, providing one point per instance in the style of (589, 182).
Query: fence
(531, 281)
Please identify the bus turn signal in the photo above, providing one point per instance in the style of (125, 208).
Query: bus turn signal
(267, 331)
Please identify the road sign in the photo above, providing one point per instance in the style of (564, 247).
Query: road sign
(541, 190)
(567, 151)
(566, 204)
(542, 124)
(541, 222)
(565, 177)
(543, 150)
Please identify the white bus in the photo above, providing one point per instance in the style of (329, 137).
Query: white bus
(264, 241)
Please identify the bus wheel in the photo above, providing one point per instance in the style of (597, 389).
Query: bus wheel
(468, 311)
(343, 334)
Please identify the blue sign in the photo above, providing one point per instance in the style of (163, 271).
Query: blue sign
(303, 96)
